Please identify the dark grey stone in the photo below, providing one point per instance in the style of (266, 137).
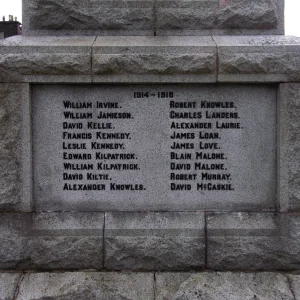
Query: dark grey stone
(87, 285)
(253, 241)
(289, 154)
(258, 58)
(8, 285)
(219, 17)
(64, 241)
(154, 241)
(88, 17)
(225, 286)
(12, 227)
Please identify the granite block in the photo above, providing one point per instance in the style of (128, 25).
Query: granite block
(8, 285)
(219, 17)
(154, 241)
(289, 147)
(13, 110)
(135, 58)
(12, 228)
(225, 286)
(55, 59)
(88, 17)
(86, 285)
(253, 241)
(64, 241)
(258, 58)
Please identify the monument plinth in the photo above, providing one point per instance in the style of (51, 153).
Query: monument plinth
(150, 136)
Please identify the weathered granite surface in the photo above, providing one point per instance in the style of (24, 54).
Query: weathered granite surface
(53, 241)
(25, 59)
(48, 17)
(258, 58)
(225, 286)
(158, 286)
(219, 17)
(64, 241)
(8, 285)
(86, 285)
(126, 56)
(10, 148)
(131, 17)
(253, 241)
(154, 241)
(289, 152)
(12, 244)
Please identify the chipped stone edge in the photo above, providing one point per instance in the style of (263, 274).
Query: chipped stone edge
(290, 285)
(17, 289)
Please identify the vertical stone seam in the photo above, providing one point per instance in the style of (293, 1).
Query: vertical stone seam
(103, 243)
(217, 59)
(91, 59)
(290, 285)
(154, 285)
(16, 293)
(278, 206)
(205, 241)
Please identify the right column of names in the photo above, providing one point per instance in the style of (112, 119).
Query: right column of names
(198, 160)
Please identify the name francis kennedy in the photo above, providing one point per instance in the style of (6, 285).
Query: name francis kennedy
(112, 136)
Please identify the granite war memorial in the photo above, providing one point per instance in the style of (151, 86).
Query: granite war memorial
(150, 150)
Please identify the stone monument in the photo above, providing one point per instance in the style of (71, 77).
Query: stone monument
(158, 138)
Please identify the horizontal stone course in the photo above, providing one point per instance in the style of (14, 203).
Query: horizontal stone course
(131, 17)
(157, 286)
(149, 241)
(150, 59)
(253, 241)
(154, 241)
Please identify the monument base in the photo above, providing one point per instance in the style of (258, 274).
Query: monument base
(41, 232)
